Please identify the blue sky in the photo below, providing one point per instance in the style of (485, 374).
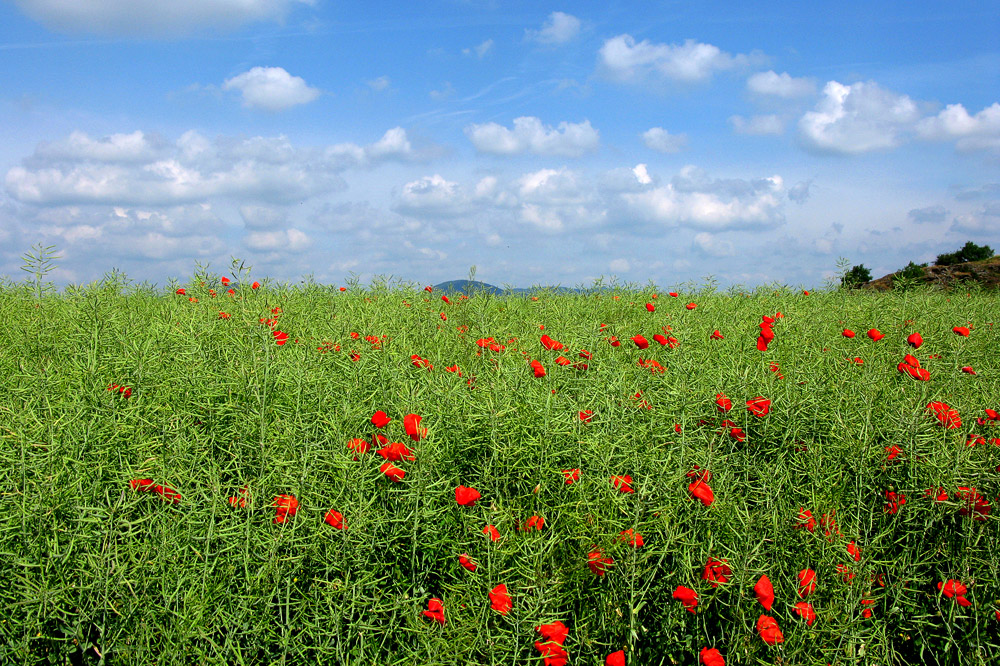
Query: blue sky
(651, 141)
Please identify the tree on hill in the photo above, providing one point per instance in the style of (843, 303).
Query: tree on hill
(969, 252)
(856, 276)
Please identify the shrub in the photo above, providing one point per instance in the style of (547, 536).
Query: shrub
(856, 277)
(969, 252)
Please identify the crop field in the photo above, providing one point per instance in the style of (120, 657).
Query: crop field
(224, 474)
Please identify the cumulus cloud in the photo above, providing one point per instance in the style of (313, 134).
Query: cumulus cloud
(712, 245)
(693, 199)
(780, 85)
(986, 218)
(799, 193)
(641, 174)
(530, 135)
(291, 240)
(857, 118)
(978, 132)
(663, 141)
(928, 214)
(271, 89)
(558, 29)
(432, 196)
(153, 19)
(757, 125)
(624, 60)
(480, 50)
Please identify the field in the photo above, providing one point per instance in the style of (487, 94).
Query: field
(198, 477)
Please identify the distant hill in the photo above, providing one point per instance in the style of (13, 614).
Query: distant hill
(985, 272)
(471, 287)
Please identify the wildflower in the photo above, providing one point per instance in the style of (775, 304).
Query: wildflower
(225, 282)
(768, 629)
(967, 369)
(435, 610)
(875, 334)
(500, 600)
(491, 532)
(181, 292)
(550, 344)
(948, 416)
(586, 415)
(847, 333)
(686, 596)
(807, 582)
(702, 492)
(534, 523)
(334, 519)
(765, 592)
(691, 306)
(623, 483)
(961, 330)
(420, 362)
(723, 403)
(380, 419)
(394, 473)
(954, 590)
(615, 659)
(572, 475)
(759, 406)
(855, 552)
(712, 657)
(640, 341)
(892, 452)
(866, 612)
(286, 507)
(255, 285)
(598, 563)
(464, 560)
(806, 612)
(466, 496)
(396, 451)
(914, 340)
(279, 337)
(894, 501)
(538, 368)
(975, 504)
(806, 520)
(631, 537)
(553, 636)
(716, 335)
(411, 423)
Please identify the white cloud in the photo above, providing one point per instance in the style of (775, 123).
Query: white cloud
(291, 240)
(625, 60)
(663, 141)
(780, 85)
(978, 132)
(558, 29)
(263, 217)
(431, 196)
(271, 89)
(641, 174)
(481, 49)
(529, 135)
(857, 118)
(986, 218)
(619, 265)
(155, 19)
(799, 193)
(712, 245)
(134, 147)
(928, 214)
(379, 84)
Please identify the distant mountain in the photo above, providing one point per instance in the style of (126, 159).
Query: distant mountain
(471, 287)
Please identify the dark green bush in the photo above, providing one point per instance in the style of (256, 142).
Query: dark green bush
(969, 252)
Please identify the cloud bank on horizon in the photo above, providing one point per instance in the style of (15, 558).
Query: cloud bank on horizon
(552, 145)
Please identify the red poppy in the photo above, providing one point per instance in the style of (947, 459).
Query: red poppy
(768, 629)
(914, 340)
(866, 612)
(939, 495)
(614, 341)
(380, 419)
(687, 596)
(738, 434)
(255, 285)
(446, 300)
(419, 362)
(435, 610)
(847, 333)
(961, 330)
(453, 368)
(586, 354)
(345, 289)
(711, 657)
(550, 344)
(396, 451)
(500, 600)
(806, 612)
(586, 415)
(991, 415)
(759, 406)
(650, 307)
(181, 292)
(673, 294)
(702, 492)
(893, 501)
(716, 335)
(691, 306)
(394, 473)
(286, 506)
(806, 519)
(953, 589)
(632, 538)
(948, 416)
(723, 404)
(807, 582)
(335, 519)
(225, 282)
(967, 369)
(875, 334)
(491, 532)
(623, 483)
(892, 452)
(716, 572)
(598, 563)
(661, 339)
(533, 523)
(464, 560)
(846, 574)
(765, 592)
(640, 341)
(616, 658)
(572, 475)
(553, 636)
(975, 504)
(855, 552)
(466, 496)
(241, 498)
(280, 337)
(563, 361)
(411, 424)
(538, 368)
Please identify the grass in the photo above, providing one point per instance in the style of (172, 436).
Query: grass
(95, 572)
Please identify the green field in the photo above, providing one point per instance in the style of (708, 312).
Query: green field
(111, 392)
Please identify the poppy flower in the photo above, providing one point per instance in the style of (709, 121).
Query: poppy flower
(396, 451)
(572, 475)
(716, 335)
(768, 629)
(555, 632)
(660, 339)
(563, 361)
(419, 362)
(686, 596)
(586, 354)
(491, 532)
(673, 294)
(806, 520)
(723, 404)
(759, 406)
(538, 368)
(953, 589)
(975, 504)
(846, 574)
(446, 300)
(691, 306)
(614, 341)
(948, 416)
(967, 369)
(716, 572)
(847, 333)
(806, 612)
(280, 337)
(855, 552)
(380, 419)
(500, 599)
(435, 610)
(991, 415)
(650, 307)
(765, 592)
(453, 368)
(286, 507)
(241, 498)
(181, 292)
(738, 434)
(334, 519)
(640, 341)
(807, 582)
(940, 496)
(623, 483)
(598, 563)
(394, 473)
(866, 612)
(875, 334)
(914, 340)
(702, 491)
(616, 658)
(225, 282)
(631, 537)
(961, 330)
(550, 344)
(255, 285)
(466, 496)
(553, 636)
(894, 501)
(892, 452)
(464, 560)
(586, 415)
(411, 424)
(711, 656)
(533, 523)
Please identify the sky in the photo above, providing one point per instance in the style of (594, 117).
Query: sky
(646, 142)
